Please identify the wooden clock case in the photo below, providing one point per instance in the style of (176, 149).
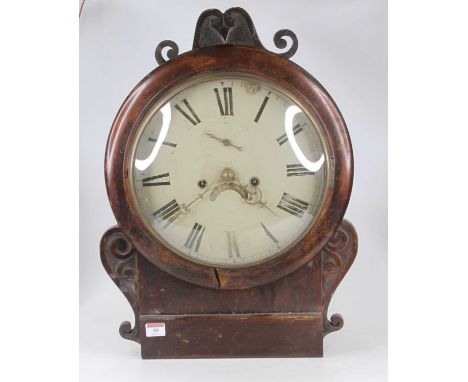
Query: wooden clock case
(277, 308)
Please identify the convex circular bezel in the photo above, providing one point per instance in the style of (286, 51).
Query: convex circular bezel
(283, 74)
(200, 79)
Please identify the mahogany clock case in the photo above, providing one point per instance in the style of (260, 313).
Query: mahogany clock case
(238, 59)
(277, 308)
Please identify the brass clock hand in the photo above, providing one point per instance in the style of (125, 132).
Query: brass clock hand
(255, 197)
(264, 204)
(200, 196)
(184, 208)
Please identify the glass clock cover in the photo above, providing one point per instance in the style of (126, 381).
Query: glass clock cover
(229, 171)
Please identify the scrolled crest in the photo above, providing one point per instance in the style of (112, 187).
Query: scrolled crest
(233, 27)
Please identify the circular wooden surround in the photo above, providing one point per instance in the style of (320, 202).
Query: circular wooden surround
(251, 61)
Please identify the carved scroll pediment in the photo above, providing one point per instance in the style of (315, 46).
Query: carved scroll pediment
(233, 27)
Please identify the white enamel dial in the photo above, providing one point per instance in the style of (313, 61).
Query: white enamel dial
(229, 171)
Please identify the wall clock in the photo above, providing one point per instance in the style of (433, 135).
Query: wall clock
(229, 169)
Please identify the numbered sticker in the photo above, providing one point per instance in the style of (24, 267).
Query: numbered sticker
(155, 329)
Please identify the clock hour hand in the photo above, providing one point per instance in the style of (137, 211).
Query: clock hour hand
(225, 141)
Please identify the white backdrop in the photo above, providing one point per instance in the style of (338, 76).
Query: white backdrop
(342, 43)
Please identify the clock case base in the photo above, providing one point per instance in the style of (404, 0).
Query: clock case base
(285, 318)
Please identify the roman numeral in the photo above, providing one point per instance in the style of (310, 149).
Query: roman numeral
(233, 248)
(195, 237)
(164, 143)
(166, 213)
(270, 235)
(193, 118)
(262, 107)
(284, 138)
(226, 108)
(297, 170)
(292, 205)
(150, 180)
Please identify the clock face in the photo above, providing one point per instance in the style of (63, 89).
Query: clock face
(229, 171)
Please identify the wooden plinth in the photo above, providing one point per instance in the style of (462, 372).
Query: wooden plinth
(235, 335)
(285, 318)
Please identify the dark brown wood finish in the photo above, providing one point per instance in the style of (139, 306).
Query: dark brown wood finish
(287, 317)
(236, 335)
(249, 61)
(277, 308)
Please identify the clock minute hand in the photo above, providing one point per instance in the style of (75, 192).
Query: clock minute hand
(256, 197)
(264, 204)
(237, 147)
(200, 196)
(184, 208)
(214, 137)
